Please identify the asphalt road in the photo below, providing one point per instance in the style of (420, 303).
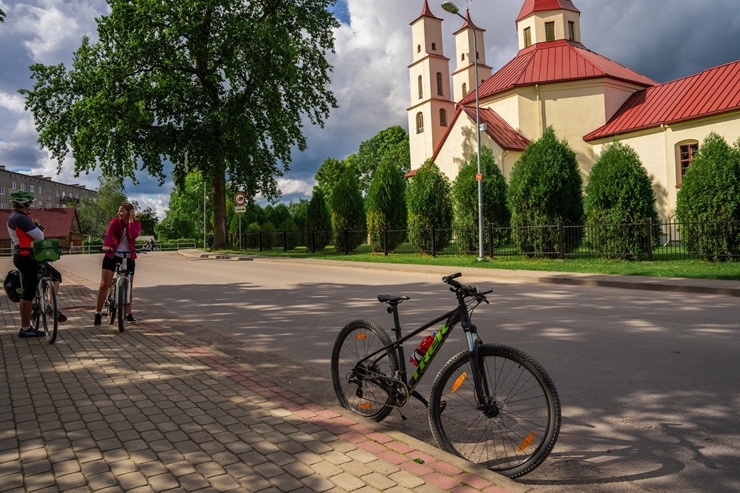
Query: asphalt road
(648, 380)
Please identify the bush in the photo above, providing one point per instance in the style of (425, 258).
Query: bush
(386, 204)
(268, 236)
(429, 205)
(619, 199)
(318, 222)
(545, 190)
(347, 212)
(465, 202)
(293, 234)
(709, 199)
(252, 238)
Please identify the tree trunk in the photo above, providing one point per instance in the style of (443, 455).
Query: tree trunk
(220, 240)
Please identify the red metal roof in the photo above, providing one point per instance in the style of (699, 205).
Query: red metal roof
(554, 61)
(531, 6)
(715, 90)
(426, 12)
(496, 127)
(58, 222)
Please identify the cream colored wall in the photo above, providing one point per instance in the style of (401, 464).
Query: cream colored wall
(536, 24)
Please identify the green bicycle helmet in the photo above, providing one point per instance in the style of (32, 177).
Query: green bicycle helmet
(21, 199)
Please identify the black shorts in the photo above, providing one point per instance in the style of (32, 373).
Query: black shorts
(110, 263)
(29, 269)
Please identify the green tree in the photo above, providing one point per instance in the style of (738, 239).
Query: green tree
(465, 202)
(394, 140)
(317, 229)
(545, 190)
(347, 212)
(2, 15)
(708, 203)
(148, 220)
(619, 197)
(95, 214)
(329, 174)
(429, 206)
(184, 218)
(386, 204)
(279, 214)
(219, 86)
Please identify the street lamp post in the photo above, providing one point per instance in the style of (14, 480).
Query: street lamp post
(452, 8)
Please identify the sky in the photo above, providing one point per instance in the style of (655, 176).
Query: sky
(662, 39)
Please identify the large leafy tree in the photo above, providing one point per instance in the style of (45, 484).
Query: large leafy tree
(393, 140)
(184, 218)
(347, 212)
(429, 206)
(148, 219)
(219, 86)
(329, 174)
(386, 204)
(318, 221)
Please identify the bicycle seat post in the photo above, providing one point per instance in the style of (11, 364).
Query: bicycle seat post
(393, 308)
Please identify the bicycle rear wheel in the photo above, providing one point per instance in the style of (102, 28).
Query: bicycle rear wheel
(121, 302)
(520, 433)
(111, 302)
(362, 388)
(48, 309)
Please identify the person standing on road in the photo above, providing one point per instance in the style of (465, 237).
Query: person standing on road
(23, 232)
(119, 239)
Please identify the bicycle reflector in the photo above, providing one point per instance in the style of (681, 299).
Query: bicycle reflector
(361, 337)
(525, 443)
(459, 381)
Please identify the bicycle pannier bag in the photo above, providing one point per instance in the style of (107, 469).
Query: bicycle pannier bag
(46, 250)
(12, 285)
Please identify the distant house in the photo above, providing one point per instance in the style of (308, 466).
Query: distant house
(59, 223)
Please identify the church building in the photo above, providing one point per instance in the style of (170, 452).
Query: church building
(554, 80)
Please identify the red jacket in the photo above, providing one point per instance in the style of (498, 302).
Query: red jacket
(115, 233)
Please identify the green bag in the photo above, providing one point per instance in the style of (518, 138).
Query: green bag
(46, 250)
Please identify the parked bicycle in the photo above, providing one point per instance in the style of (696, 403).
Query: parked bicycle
(119, 293)
(44, 308)
(491, 404)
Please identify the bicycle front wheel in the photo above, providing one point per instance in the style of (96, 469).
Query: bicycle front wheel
(121, 302)
(522, 423)
(49, 312)
(364, 387)
(111, 302)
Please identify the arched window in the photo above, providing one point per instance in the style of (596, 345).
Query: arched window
(421, 88)
(418, 48)
(685, 153)
(419, 123)
(440, 89)
(462, 57)
(434, 46)
(465, 89)
(443, 117)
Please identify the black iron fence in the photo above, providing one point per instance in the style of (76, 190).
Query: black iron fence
(634, 241)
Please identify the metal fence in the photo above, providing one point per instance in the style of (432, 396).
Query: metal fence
(634, 241)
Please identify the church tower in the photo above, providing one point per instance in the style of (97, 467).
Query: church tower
(463, 79)
(431, 107)
(541, 21)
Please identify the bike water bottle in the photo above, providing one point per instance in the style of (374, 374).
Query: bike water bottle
(420, 351)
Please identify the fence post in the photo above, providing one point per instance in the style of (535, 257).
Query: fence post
(260, 240)
(490, 240)
(312, 242)
(561, 240)
(346, 241)
(649, 237)
(385, 241)
(285, 241)
(434, 246)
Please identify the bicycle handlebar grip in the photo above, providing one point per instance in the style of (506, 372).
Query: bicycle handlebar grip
(449, 278)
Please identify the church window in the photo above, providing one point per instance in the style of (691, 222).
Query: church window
(462, 57)
(443, 117)
(418, 48)
(421, 87)
(571, 30)
(465, 89)
(477, 55)
(527, 37)
(434, 46)
(440, 89)
(685, 156)
(419, 123)
(549, 31)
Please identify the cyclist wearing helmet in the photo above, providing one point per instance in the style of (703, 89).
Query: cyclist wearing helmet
(23, 232)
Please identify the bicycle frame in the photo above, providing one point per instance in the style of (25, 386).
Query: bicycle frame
(122, 273)
(451, 318)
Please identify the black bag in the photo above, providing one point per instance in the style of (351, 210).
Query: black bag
(12, 286)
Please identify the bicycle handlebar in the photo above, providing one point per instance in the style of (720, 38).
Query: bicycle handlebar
(465, 290)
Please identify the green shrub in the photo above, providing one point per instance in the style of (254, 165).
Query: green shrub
(293, 234)
(386, 204)
(252, 238)
(347, 212)
(708, 201)
(619, 199)
(318, 222)
(429, 205)
(545, 190)
(268, 236)
(465, 202)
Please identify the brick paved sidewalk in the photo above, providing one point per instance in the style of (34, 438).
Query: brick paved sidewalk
(154, 410)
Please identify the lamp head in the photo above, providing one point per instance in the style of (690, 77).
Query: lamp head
(450, 7)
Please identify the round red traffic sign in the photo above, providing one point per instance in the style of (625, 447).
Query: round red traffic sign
(240, 198)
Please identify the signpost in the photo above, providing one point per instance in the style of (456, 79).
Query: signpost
(240, 199)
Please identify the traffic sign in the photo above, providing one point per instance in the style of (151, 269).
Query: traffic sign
(240, 198)
(240, 208)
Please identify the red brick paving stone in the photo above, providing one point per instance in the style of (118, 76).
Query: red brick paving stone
(442, 481)
(473, 480)
(372, 447)
(464, 489)
(416, 468)
(400, 447)
(392, 457)
(353, 437)
(445, 468)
